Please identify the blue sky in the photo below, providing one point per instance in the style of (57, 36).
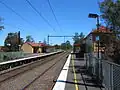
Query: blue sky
(71, 14)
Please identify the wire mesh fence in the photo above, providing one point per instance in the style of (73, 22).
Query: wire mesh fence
(106, 72)
(5, 56)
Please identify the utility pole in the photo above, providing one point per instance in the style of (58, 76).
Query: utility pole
(48, 39)
(19, 41)
(65, 43)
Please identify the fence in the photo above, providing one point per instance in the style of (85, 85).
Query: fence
(5, 56)
(106, 72)
(17, 62)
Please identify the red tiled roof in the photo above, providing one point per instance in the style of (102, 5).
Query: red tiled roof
(102, 29)
(42, 44)
(36, 44)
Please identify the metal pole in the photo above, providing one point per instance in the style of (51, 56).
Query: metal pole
(48, 39)
(64, 39)
(98, 35)
(65, 44)
(100, 62)
(19, 42)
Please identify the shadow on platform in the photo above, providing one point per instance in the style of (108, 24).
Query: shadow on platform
(71, 82)
(78, 67)
(78, 59)
(86, 77)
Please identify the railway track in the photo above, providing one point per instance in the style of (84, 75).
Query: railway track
(14, 73)
(44, 72)
(22, 69)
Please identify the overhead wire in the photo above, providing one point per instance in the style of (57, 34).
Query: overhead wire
(15, 12)
(54, 14)
(40, 14)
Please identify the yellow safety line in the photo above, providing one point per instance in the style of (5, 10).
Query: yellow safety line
(75, 79)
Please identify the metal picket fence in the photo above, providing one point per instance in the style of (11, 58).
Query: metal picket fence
(107, 72)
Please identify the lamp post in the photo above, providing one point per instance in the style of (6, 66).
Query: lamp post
(99, 75)
(91, 15)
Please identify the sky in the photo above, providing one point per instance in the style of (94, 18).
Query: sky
(72, 16)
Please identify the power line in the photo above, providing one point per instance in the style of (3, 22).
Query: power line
(53, 13)
(15, 12)
(39, 14)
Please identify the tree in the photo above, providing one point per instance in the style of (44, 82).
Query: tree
(29, 39)
(39, 41)
(21, 41)
(66, 45)
(44, 41)
(78, 38)
(63, 46)
(12, 42)
(57, 46)
(110, 10)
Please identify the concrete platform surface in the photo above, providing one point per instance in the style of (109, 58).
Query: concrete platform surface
(77, 77)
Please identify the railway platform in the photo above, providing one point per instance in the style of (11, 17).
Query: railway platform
(74, 76)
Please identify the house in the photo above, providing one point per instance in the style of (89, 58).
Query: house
(50, 48)
(76, 47)
(30, 47)
(92, 38)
